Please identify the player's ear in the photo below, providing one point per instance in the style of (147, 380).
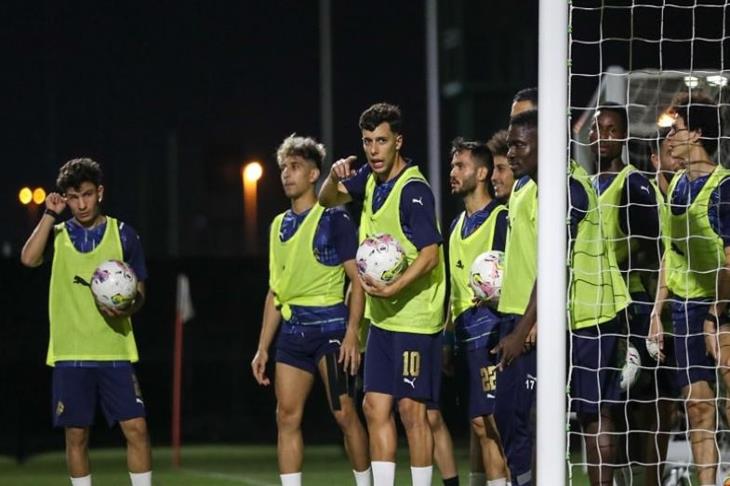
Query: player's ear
(398, 141)
(482, 173)
(314, 175)
(99, 193)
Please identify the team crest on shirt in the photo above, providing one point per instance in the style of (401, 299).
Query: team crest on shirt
(59, 408)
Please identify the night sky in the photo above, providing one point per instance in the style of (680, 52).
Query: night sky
(227, 81)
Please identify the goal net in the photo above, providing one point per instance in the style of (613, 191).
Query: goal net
(630, 61)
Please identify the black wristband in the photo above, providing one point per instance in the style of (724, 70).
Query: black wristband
(52, 213)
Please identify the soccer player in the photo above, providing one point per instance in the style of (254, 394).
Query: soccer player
(629, 211)
(664, 164)
(403, 358)
(524, 100)
(91, 347)
(596, 294)
(502, 177)
(695, 272)
(311, 249)
(481, 227)
(514, 411)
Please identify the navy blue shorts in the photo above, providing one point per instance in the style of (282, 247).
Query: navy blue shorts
(594, 374)
(517, 385)
(478, 367)
(403, 364)
(656, 380)
(77, 388)
(693, 362)
(303, 346)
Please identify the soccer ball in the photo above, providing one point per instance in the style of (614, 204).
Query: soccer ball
(485, 275)
(114, 284)
(381, 258)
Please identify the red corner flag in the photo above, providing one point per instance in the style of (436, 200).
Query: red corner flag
(183, 313)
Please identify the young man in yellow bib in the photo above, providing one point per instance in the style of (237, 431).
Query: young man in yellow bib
(403, 357)
(91, 347)
(311, 249)
(481, 227)
(695, 276)
(596, 295)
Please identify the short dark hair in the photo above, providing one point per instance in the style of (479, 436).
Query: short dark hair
(527, 94)
(526, 119)
(381, 113)
(305, 147)
(699, 112)
(77, 171)
(619, 110)
(498, 144)
(479, 152)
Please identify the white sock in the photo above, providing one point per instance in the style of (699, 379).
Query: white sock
(141, 479)
(477, 479)
(383, 473)
(292, 479)
(421, 476)
(83, 481)
(497, 482)
(362, 478)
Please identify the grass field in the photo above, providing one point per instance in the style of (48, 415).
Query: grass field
(206, 466)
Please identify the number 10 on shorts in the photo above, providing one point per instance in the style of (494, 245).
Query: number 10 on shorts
(411, 363)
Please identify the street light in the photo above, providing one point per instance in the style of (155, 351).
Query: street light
(25, 196)
(39, 195)
(250, 174)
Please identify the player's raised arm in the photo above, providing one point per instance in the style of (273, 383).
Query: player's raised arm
(269, 325)
(333, 192)
(32, 253)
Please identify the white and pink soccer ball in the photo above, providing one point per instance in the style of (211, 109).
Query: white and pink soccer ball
(114, 284)
(485, 276)
(381, 258)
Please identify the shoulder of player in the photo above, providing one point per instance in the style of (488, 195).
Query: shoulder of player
(415, 188)
(337, 214)
(126, 229)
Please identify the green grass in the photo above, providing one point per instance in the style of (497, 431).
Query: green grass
(208, 466)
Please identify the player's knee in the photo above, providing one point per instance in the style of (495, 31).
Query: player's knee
(412, 414)
(135, 430)
(700, 410)
(288, 417)
(479, 428)
(77, 438)
(435, 419)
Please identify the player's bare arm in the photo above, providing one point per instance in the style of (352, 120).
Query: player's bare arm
(32, 253)
(714, 324)
(350, 349)
(269, 325)
(333, 192)
(655, 339)
(427, 259)
(513, 344)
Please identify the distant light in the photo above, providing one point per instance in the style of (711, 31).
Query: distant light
(718, 80)
(666, 120)
(39, 195)
(25, 195)
(252, 172)
(691, 81)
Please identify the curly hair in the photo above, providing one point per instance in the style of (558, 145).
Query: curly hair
(305, 147)
(381, 113)
(77, 171)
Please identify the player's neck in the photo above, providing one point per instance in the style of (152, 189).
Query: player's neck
(614, 166)
(398, 166)
(304, 202)
(476, 200)
(99, 219)
(699, 163)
